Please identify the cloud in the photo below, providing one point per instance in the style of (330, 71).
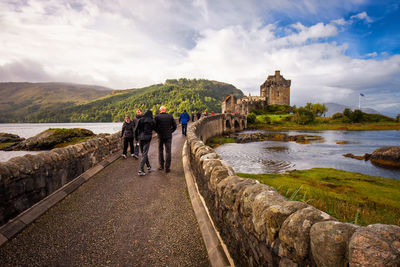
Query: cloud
(21, 71)
(125, 44)
(373, 54)
(362, 16)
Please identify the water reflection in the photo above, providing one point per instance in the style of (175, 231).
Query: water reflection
(278, 157)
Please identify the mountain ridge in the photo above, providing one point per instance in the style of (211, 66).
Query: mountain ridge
(112, 105)
(338, 108)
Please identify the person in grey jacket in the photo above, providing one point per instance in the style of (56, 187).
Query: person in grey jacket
(128, 133)
(145, 132)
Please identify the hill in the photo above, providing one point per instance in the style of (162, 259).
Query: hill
(338, 108)
(20, 101)
(176, 95)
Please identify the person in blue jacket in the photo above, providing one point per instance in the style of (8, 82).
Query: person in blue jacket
(184, 119)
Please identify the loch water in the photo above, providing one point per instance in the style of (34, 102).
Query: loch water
(27, 130)
(278, 157)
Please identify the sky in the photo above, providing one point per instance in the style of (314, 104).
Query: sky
(331, 50)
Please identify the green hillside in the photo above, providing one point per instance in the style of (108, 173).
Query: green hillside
(176, 95)
(20, 101)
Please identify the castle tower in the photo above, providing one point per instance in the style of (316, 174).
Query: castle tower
(276, 89)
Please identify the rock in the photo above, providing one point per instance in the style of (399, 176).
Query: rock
(285, 262)
(365, 157)
(295, 233)
(267, 198)
(51, 138)
(8, 141)
(388, 157)
(375, 245)
(277, 214)
(330, 242)
(268, 136)
(10, 138)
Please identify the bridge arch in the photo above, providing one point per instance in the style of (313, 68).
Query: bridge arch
(237, 125)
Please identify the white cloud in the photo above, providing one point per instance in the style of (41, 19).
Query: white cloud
(125, 44)
(373, 54)
(362, 16)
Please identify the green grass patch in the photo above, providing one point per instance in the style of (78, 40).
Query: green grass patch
(74, 141)
(219, 140)
(348, 196)
(4, 145)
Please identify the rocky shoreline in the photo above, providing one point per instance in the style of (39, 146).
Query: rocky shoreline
(46, 140)
(269, 136)
(386, 157)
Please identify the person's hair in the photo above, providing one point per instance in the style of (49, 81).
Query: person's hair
(127, 116)
(138, 110)
(184, 110)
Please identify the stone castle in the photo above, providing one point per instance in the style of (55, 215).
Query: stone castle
(274, 91)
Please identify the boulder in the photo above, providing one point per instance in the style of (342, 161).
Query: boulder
(51, 138)
(277, 214)
(10, 138)
(295, 233)
(386, 157)
(375, 245)
(330, 243)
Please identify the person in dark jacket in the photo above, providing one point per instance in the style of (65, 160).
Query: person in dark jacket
(165, 125)
(145, 131)
(198, 115)
(192, 116)
(184, 119)
(128, 133)
(136, 120)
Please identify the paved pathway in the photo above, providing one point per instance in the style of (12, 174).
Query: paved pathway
(117, 219)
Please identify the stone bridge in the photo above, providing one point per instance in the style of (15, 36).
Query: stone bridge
(85, 206)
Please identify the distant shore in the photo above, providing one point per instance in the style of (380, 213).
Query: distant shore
(326, 127)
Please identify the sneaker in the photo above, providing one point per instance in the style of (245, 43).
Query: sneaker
(168, 170)
(135, 156)
(141, 173)
(160, 167)
(124, 156)
(149, 168)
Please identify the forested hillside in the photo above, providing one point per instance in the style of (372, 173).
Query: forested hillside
(176, 95)
(20, 101)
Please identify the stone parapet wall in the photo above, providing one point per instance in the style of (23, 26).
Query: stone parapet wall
(26, 180)
(262, 228)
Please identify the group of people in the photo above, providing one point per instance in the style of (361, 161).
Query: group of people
(140, 131)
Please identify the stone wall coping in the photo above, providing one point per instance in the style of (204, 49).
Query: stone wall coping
(216, 249)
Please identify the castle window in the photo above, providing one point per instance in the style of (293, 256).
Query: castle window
(277, 93)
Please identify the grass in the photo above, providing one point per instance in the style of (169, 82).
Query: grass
(4, 145)
(219, 140)
(280, 122)
(73, 141)
(347, 196)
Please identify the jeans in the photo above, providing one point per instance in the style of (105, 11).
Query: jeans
(144, 148)
(167, 143)
(126, 141)
(136, 147)
(184, 128)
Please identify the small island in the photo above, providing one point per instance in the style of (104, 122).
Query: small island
(46, 140)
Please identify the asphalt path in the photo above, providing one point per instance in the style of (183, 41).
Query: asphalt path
(117, 218)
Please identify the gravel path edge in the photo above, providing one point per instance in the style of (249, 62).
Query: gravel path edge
(16, 225)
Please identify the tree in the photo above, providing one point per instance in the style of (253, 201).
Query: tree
(357, 116)
(398, 118)
(303, 115)
(251, 118)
